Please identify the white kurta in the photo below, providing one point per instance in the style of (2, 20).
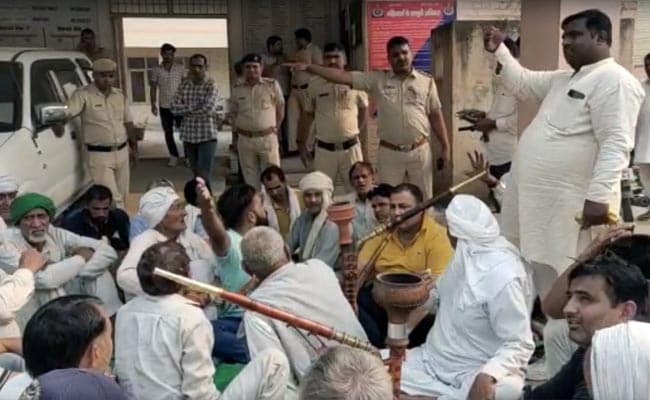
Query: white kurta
(15, 291)
(574, 150)
(65, 273)
(642, 146)
(503, 111)
(491, 336)
(309, 290)
(202, 260)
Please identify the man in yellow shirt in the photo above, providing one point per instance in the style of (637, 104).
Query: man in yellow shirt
(419, 245)
(283, 204)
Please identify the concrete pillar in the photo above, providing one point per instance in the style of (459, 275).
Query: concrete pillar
(541, 37)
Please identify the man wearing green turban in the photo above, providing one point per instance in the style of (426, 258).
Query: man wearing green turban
(75, 264)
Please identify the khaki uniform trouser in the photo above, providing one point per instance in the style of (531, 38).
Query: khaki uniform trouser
(295, 105)
(336, 164)
(266, 377)
(255, 154)
(112, 170)
(395, 167)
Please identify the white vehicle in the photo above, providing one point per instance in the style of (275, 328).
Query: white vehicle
(35, 83)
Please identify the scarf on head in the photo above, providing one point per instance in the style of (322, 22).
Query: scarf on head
(316, 181)
(155, 203)
(484, 256)
(30, 201)
(8, 184)
(294, 208)
(620, 361)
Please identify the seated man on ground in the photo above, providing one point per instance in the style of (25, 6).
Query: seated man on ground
(308, 289)
(161, 208)
(138, 223)
(379, 198)
(74, 383)
(163, 342)
(313, 235)
(602, 291)
(68, 332)
(362, 179)
(616, 365)
(240, 209)
(193, 218)
(283, 204)
(347, 373)
(481, 341)
(98, 219)
(418, 245)
(8, 193)
(75, 264)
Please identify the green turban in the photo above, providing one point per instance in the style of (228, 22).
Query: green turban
(28, 202)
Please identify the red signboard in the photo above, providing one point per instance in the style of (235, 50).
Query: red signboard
(411, 19)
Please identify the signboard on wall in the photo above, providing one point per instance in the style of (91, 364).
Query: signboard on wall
(55, 24)
(412, 19)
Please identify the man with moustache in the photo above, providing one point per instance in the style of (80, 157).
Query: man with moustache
(8, 193)
(283, 203)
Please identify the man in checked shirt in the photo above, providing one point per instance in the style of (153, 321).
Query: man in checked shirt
(196, 101)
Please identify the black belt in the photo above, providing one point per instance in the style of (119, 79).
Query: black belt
(337, 146)
(105, 149)
(305, 86)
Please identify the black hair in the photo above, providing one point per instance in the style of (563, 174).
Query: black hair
(85, 31)
(302, 33)
(189, 191)
(411, 188)
(625, 281)
(381, 190)
(251, 58)
(239, 68)
(199, 55)
(271, 40)
(332, 47)
(170, 256)
(234, 203)
(271, 171)
(167, 47)
(646, 58)
(363, 164)
(58, 335)
(397, 41)
(595, 20)
(512, 46)
(98, 192)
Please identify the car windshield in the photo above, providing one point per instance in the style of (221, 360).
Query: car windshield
(10, 97)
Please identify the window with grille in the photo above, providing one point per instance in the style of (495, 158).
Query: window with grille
(139, 71)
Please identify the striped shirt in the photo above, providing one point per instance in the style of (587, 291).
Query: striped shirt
(197, 103)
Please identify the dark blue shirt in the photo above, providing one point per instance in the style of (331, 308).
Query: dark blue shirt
(116, 228)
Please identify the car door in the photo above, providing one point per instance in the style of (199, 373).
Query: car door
(52, 80)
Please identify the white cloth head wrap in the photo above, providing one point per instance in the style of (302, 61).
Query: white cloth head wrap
(8, 184)
(620, 361)
(489, 261)
(155, 203)
(316, 181)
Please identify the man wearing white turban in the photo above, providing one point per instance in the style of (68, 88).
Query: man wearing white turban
(481, 341)
(618, 362)
(313, 234)
(8, 192)
(162, 210)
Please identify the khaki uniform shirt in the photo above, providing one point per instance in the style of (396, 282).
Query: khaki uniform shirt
(403, 105)
(335, 108)
(102, 117)
(254, 107)
(311, 54)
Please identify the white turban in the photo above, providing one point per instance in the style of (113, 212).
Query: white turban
(620, 361)
(316, 181)
(8, 184)
(155, 203)
(490, 262)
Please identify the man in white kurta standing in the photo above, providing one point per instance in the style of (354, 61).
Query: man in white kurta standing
(569, 159)
(642, 143)
(8, 193)
(481, 341)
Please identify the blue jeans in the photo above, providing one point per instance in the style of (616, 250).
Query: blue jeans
(201, 157)
(227, 346)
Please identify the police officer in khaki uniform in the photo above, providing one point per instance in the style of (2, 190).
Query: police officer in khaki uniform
(107, 126)
(308, 53)
(257, 107)
(408, 107)
(339, 114)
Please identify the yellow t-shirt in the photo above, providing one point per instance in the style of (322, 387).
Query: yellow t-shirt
(430, 250)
